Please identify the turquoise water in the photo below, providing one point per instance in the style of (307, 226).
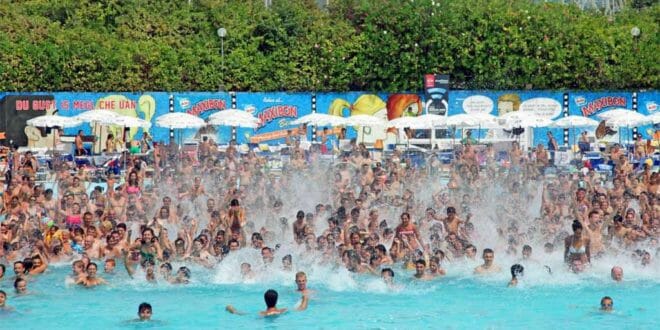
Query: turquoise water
(341, 300)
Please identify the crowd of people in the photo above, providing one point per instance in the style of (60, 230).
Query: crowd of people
(378, 216)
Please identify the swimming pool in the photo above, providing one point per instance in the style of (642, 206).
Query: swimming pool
(342, 300)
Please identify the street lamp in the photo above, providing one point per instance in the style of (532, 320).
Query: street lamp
(635, 32)
(222, 33)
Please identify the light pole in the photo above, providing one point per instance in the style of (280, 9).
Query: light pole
(222, 33)
(635, 32)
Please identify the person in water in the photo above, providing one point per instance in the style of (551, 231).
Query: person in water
(20, 285)
(145, 312)
(301, 284)
(387, 274)
(577, 246)
(606, 304)
(91, 280)
(3, 302)
(617, 274)
(420, 271)
(488, 266)
(517, 271)
(270, 297)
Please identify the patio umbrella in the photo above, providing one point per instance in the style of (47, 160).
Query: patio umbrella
(523, 119)
(654, 118)
(363, 121)
(466, 120)
(54, 121)
(571, 122)
(96, 116)
(179, 120)
(621, 118)
(320, 119)
(233, 118)
(426, 121)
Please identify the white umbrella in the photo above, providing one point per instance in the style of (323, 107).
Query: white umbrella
(464, 120)
(574, 122)
(126, 121)
(621, 118)
(623, 115)
(179, 120)
(96, 116)
(571, 122)
(233, 118)
(320, 119)
(426, 121)
(233, 122)
(654, 118)
(54, 121)
(365, 121)
(523, 119)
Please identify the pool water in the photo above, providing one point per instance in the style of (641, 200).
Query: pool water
(341, 301)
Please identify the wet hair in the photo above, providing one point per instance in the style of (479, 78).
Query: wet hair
(420, 261)
(92, 264)
(22, 263)
(166, 265)
(287, 257)
(488, 251)
(144, 307)
(617, 218)
(19, 280)
(2, 293)
(185, 271)
(517, 270)
(527, 248)
(387, 270)
(300, 214)
(2, 266)
(576, 225)
(234, 202)
(270, 297)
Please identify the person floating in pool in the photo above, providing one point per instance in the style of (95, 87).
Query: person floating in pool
(420, 271)
(91, 280)
(617, 274)
(488, 266)
(145, 312)
(270, 297)
(301, 284)
(387, 274)
(517, 271)
(3, 302)
(606, 304)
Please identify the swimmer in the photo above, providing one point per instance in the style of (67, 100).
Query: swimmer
(301, 284)
(387, 274)
(166, 271)
(420, 274)
(3, 302)
(109, 266)
(91, 280)
(20, 286)
(488, 266)
(144, 312)
(2, 271)
(434, 267)
(617, 274)
(182, 276)
(246, 271)
(517, 271)
(287, 263)
(606, 304)
(270, 297)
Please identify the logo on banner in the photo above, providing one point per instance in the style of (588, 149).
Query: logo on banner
(601, 103)
(207, 105)
(651, 107)
(277, 112)
(184, 103)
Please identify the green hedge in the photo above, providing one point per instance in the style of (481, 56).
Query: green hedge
(384, 45)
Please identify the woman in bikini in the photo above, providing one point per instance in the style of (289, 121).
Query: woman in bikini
(577, 246)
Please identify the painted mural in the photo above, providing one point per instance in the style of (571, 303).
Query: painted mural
(277, 110)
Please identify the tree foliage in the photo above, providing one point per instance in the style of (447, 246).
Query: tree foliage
(385, 45)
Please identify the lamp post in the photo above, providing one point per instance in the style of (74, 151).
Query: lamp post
(222, 33)
(635, 33)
